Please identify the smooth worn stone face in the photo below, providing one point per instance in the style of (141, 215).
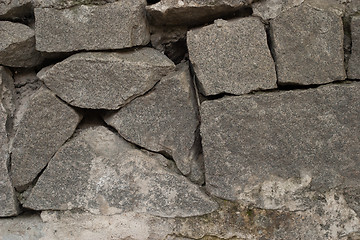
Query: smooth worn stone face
(106, 80)
(276, 144)
(46, 123)
(99, 172)
(17, 45)
(354, 62)
(14, 9)
(92, 27)
(308, 46)
(232, 57)
(164, 120)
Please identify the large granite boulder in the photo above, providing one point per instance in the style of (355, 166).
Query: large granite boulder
(308, 46)
(354, 62)
(46, 123)
(270, 148)
(232, 57)
(117, 25)
(17, 46)
(99, 172)
(15, 9)
(106, 80)
(164, 120)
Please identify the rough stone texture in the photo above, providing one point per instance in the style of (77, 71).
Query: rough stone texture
(354, 62)
(106, 80)
(308, 46)
(191, 12)
(113, 26)
(164, 120)
(13, 9)
(7, 91)
(227, 60)
(17, 46)
(270, 9)
(274, 150)
(109, 176)
(46, 123)
(63, 4)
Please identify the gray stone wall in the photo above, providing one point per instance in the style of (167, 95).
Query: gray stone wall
(179, 119)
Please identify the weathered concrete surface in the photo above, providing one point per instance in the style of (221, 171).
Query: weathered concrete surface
(164, 120)
(13, 9)
(46, 123)
(115, 25)
(190, 12)
(101, 173)
(106, 80)
(17, 46)
(227, 60)
(354, 62)
(308, 46)
(273, 150)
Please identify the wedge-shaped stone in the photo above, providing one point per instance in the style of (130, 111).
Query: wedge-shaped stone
(354, 62)
(17, 45)
(192, 12)
(100, 172)
(14, 9)
(106, 80)
(164, 120)
(308, 46)
(46, 123)
(232, 57)
(115, 25)
(305, 137)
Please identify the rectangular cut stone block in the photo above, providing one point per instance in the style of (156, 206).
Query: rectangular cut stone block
(92, 27)
(354, 62)
(312, 135)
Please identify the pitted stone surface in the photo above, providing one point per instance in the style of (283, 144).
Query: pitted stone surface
(106, 80)
(14, 9)
(354, 63)
(270, 9)
(99, 172)
(46, 123)
(308, 46)
(115, 25)
(232, 57)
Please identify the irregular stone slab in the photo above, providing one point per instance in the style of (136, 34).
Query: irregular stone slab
(308, 46)
(46, 123)
(270, 9)
(354, 62)
(227, 60)
(7, 91)
(17, 47)
(115, 25)
(63, 4)
(164, 120)
(268, 149)
(190, 12)
(99, 172)
(106, 80)
(13, 9)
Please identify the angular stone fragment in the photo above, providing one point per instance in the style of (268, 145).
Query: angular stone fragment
(17, 45)
(106, 80)
(270, 9)
(7, 91)
(308, 46)
(267, 148)
(46, 123)
(13, 9)
(232, 57)
(115, 25)
(164, 120)
(191, 12)
(354, 62)
(99, 172)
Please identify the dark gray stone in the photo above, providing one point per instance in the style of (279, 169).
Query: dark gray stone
(99, 172)
(227, 60)
(308, 46)
(46, 123)
(115, 25)
(15, 9)
(354, 62)
(106, 80)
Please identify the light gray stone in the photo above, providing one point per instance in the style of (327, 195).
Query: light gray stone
(164, 120)
(106, 80)
(7, 91)
(308, 46)
(270, 9)
(226, 60)
(99, 172)
(191, 12)
(63, 4)
(354, 62)
(46, 123)
(273, 150)
(13, 9)
(17, 47)
(115, 25)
